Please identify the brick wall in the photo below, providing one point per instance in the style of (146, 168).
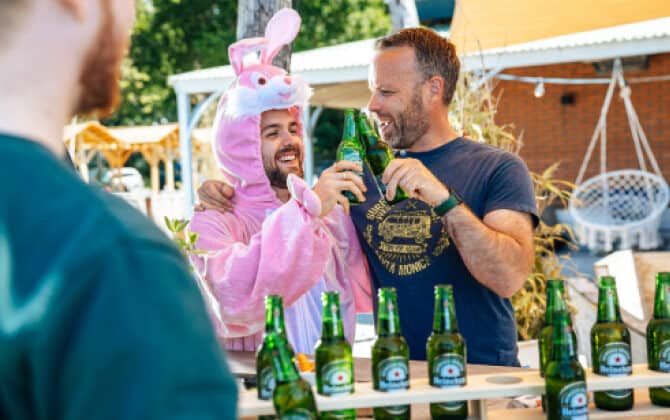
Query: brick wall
(553, 132)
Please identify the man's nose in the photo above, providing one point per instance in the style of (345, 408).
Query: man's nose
(373, 104)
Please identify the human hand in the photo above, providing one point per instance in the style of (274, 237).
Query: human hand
(417, 181)
(215, 195)
(341, 176)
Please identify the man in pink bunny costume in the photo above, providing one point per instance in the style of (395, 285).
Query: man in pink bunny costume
(282, 237)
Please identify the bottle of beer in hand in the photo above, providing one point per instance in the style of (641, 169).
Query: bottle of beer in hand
(274, 323)
(378, 155)
(658, 338)
(555, 302)
(565, 385)
(334, 362)
(292, 397)
(446, 355)
(390, 356)
(351, 149)
(610, 347)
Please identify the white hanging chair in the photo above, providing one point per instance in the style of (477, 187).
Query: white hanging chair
(619, 208)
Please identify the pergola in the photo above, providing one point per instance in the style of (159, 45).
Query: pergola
(155, 143)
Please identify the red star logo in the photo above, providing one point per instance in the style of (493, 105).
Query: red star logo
(617, 359)
(340, 377)
(397, 374)
(450, 371)
(580, 400)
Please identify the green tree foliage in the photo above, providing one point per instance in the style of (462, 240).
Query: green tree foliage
(174, 36)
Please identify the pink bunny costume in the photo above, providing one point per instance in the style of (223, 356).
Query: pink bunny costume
(265, 246)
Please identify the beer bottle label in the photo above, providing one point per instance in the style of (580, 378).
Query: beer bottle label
(266, 383)
(351, 155)
(573, 401)
(337, 377)
(297, 414)
(393, 374)
(664, 356)
(448, 371)
(615, 359)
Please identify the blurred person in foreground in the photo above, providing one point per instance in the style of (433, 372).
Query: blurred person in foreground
(99, 315)
(282, 237)
(469, 221)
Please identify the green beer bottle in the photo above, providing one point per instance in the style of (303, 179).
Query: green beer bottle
(292, 398)
(555, 302)
(334, 362)
(658, 338)
(378, 155)
(610, 347)
(446, 355)
(565, 385)
(351, 149)
(274, 323)
(390, 356)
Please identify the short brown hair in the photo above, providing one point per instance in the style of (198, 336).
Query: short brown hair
(435, 55)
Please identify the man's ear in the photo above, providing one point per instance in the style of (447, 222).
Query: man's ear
(436, 84)
(76, 7)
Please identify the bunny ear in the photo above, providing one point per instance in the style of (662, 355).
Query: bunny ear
(281, 30)
(238, 50)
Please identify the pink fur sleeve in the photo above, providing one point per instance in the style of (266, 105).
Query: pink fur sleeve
(286, 257)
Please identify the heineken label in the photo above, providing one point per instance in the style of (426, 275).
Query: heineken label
(448, 371)
(393, 374)
(337, 378)
(297, 414)
(574, 402)
(266, 384)
(664, 356)
(351, 155)
(614, 359)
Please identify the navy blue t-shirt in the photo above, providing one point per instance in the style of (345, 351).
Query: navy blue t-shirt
(408, 247)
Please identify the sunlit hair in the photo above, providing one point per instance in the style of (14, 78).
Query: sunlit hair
(435, 55)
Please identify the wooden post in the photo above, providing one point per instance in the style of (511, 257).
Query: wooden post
(253, 16)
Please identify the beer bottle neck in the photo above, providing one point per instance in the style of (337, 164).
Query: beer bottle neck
(662, 300)
(444, 320)
(608, 305)
(349, 131)
(388, 322)
(274, 315)
(564, 346)
(368, 134)
(283, 367)
(555, 302)
(332, 322)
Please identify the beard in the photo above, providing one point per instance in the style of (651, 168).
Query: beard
(408, 126)
(99, 79)
(278, 177)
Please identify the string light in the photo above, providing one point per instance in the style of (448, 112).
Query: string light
(567, 81)
(539, 89)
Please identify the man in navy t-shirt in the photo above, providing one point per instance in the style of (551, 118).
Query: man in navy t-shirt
(469, 222)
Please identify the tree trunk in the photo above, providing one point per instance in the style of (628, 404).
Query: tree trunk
(253, 15)
(403, 14)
